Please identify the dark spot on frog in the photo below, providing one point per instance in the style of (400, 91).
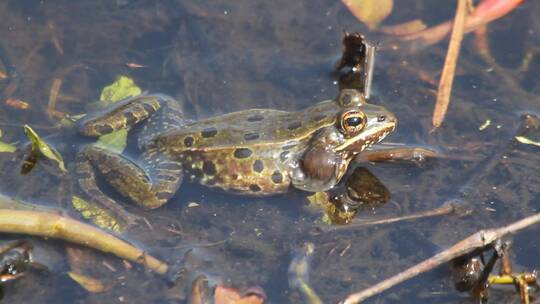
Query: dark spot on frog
(163, 195)
(104, 129)
(320, 117)
(283, 156)
(251, 136)
(196, 174)
(188, 141)
(289, 146)
(209, 132)
(234, 176)
(130, 118)
(294, 125)
(277, 177)
(148, 108)
(346, 99)
(242, 153)
(169, 166)
(254, 188)
(211, 181)
(209, 167)
(258, 166)
(166, 177)
(255, 118)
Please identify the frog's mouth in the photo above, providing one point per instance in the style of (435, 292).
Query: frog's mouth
(367, 138)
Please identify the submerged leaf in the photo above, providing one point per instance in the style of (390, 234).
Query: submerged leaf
(40, 147)
(370, 12)
(98, 216)
(227, 295)
(527, 141)
(115, 141)
(88, 283)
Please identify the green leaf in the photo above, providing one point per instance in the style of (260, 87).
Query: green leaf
(115, 141)
(123, 87)
(7, 148)
(40, 147)
(97, 215)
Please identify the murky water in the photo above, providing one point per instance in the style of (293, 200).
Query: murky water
(219, 56)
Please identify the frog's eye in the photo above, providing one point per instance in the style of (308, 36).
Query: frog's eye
(352, 122)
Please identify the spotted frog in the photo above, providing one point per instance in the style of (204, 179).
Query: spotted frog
(255, 152)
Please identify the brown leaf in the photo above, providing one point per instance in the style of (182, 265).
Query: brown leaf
(227, 295)
(88, 283)
(370, 12)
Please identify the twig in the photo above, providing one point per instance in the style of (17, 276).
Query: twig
(447, 77)
(451, 206)
(53, 225)
(475, 241)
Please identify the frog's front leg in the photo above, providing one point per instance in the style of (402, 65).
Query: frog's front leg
(150, 185)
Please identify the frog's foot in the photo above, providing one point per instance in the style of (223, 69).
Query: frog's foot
(149, 187)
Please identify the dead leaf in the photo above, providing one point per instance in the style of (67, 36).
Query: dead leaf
(17, 104)
(227, 295)
(370, 12)
(406, 28)
(88, 283)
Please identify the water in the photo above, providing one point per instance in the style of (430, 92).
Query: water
(231, 55)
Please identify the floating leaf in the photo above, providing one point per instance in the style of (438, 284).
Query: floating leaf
(123, 87)
(370, 12)
(527, 141)
(97, 215)
(7, 148)
(406, 28)
(89, 284)
(40, 147)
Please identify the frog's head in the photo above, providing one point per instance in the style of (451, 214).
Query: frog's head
(358, 125)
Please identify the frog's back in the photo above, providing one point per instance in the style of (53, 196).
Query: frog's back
(255, 127)
(248, 152)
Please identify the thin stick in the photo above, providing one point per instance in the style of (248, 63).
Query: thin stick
(448, 207)
(478, 240)
(447, 77)
(53, 225)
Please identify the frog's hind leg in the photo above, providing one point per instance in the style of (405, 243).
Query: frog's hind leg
(123, 114)
(170, 116)
(149, 186)
(86, 178)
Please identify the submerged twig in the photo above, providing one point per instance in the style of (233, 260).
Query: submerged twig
(53, 225)
(448, 207)
(476, 241)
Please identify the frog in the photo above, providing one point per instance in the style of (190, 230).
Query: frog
(254, 152)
